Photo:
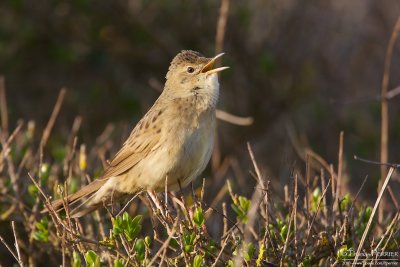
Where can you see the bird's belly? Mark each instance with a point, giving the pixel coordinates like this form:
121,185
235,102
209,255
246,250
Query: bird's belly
180,162
193,157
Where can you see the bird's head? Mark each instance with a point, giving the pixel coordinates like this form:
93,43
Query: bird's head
191,73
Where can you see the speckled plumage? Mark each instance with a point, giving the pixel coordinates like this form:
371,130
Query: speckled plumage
173,141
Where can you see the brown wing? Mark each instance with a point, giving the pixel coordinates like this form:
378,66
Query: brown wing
144,138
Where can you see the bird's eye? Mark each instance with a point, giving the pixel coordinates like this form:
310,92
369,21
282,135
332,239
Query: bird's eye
190,69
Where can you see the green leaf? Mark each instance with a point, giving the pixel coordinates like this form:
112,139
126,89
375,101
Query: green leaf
43,225
198,261
241,207
188,240
126,225
140,249
118,227
249,252
119,263
33,190
244,203
42,233
173,243
284,233
198,217
126,217
316,195
306,261
345,202
76,259
212,247
92,260
345,253
147,241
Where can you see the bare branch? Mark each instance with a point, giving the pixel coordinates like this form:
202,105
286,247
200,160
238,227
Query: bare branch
378,200
16,244
233,119
221,26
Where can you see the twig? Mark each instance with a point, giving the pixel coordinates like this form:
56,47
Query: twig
287,237
10,139
358,192
340,164
51,122
393,165
255,165
221,26
235,225
16,244
129,202
313,219
307,196
8,248
392,93
296,197
233,119
225,221
221,251
389,175
166,243
252,214
3,107
392,195
385,109
5,153
389,228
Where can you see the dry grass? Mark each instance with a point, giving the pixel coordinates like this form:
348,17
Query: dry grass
315,223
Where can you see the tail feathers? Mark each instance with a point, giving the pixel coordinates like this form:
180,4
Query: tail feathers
84,195
86,206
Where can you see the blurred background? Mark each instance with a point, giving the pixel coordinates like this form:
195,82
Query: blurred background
304,70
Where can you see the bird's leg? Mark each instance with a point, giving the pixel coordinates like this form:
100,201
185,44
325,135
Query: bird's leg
156,202
165,195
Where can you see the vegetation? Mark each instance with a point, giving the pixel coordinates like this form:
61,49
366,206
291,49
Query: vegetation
314,224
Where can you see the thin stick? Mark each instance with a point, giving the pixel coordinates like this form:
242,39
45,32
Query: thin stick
221,26
3,107
385,109
389,228
396,203
389,175
16,244
287,238
166,243
253,160
307,183
340,164
358,192
220,252
392,93
296,197
313,219
233,119
225,221
393,165
129,202
8,248
51,122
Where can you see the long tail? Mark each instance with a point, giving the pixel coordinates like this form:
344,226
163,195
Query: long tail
81,202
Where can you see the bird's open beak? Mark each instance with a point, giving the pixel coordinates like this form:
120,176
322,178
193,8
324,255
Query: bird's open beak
209,67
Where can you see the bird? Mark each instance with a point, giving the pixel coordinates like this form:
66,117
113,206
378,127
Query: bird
169,147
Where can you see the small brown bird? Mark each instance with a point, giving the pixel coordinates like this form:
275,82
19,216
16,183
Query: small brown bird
171,144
